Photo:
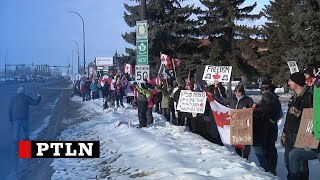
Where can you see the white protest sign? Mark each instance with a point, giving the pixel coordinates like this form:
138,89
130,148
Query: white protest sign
141,73
293,66
220,73
193,102
112,88
130,88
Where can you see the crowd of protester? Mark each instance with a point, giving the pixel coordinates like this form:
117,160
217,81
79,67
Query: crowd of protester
163,97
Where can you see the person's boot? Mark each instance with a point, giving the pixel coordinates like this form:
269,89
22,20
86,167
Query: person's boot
273,161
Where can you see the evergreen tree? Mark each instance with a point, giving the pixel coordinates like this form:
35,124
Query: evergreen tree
171,30
279,36
306,34
219,23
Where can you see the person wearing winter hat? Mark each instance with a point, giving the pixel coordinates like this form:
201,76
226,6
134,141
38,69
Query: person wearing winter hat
265,126
19,114
302,98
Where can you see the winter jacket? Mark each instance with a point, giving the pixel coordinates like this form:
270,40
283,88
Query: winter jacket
295,108
176,94
264,116
19,106
166,100
94,87
143,94
234,103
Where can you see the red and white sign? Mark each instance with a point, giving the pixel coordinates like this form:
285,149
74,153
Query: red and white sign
104,61
220,73
193,102
128,68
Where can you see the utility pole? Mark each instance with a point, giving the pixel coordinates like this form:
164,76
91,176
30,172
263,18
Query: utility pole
72,64
78,56
5,65
143,10
84,40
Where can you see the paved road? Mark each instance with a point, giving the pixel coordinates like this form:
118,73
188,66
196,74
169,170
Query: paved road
50,92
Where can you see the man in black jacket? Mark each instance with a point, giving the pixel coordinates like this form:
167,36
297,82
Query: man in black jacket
302,98
270,112
19,114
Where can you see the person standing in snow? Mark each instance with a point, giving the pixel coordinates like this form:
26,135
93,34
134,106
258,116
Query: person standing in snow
303,98
239,101
94,89
19,114
266,115
142,103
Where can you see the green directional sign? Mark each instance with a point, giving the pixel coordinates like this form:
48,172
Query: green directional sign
142,51
316,112
142,42
142,47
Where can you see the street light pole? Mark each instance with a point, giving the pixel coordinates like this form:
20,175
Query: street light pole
78,55
84,40
143,10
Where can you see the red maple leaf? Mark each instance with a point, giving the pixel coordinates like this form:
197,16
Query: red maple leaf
201,105
216,76
221,119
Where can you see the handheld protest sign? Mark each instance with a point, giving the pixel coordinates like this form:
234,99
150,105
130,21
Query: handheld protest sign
293,66
220,73
305,138
241,126
192,102
316,112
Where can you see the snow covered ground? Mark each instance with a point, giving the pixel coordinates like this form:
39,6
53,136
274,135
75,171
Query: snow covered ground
161,151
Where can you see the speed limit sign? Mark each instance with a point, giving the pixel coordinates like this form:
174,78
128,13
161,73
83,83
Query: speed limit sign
141,73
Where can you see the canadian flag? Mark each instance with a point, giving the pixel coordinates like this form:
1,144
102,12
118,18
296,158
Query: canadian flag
128,68
176,62
221,115
165,59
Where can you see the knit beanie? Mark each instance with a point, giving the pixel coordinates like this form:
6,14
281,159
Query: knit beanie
298,78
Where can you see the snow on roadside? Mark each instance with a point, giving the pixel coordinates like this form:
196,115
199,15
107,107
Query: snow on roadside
161,151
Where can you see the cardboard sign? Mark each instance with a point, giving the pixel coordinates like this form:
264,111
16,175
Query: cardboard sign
305,138
220,73
293,66
241,126
193,102
316,112
199,75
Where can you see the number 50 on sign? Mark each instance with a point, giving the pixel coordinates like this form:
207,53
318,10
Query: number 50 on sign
141,73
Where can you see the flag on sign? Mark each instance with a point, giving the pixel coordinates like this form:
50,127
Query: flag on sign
128,68
176,62
165,59
221,115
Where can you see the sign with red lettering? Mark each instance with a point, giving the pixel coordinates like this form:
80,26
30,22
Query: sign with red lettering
241,126
192,102
305,138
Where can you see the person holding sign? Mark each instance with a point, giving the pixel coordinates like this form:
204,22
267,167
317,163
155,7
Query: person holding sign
302,98
239,101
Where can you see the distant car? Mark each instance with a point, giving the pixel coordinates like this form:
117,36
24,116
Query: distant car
39,79
22,78
252,85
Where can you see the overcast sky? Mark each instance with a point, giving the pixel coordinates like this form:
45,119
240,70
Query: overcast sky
42,31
